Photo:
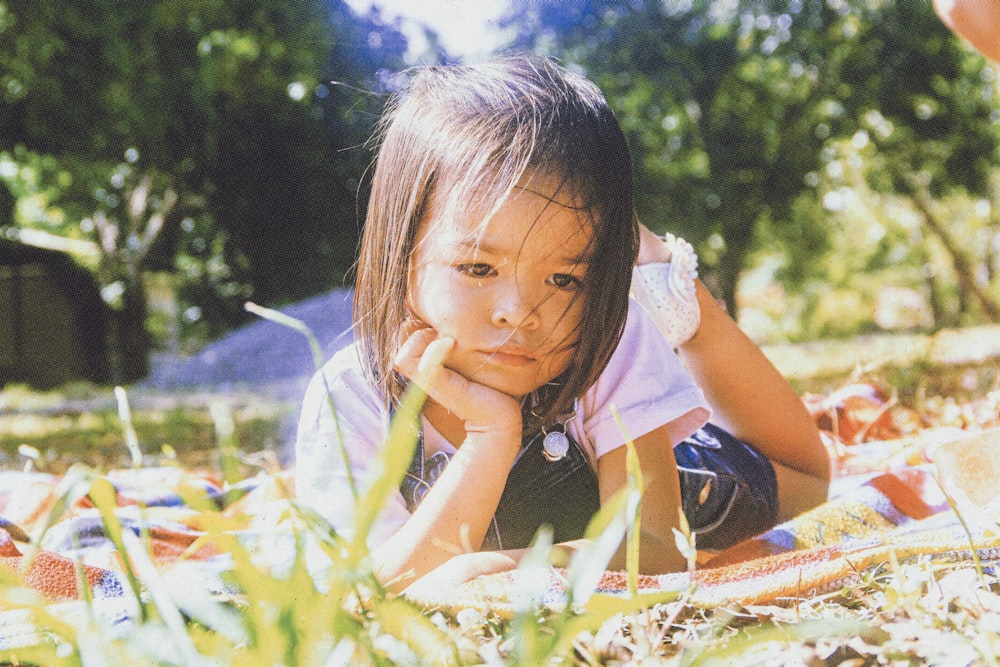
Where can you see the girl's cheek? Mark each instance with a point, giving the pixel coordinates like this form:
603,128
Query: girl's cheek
445,328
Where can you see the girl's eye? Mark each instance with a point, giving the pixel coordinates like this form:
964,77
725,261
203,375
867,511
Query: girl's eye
565,281
476,270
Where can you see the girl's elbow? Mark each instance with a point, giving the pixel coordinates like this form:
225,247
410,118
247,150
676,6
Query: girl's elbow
397,562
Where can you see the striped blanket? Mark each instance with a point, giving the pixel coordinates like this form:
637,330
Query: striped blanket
63,538
50,524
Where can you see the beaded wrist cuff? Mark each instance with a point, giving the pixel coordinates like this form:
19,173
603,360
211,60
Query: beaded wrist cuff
667,291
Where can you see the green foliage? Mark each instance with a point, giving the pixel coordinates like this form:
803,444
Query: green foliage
253,117
750,123
753,122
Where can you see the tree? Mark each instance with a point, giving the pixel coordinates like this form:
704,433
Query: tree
203,137
915,118
734,111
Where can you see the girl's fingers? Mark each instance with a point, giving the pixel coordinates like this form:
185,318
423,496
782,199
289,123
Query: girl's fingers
410,326
432,360
442,384
421,360
412,349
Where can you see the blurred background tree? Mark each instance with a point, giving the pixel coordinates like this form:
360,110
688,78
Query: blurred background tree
834,161
207,139
815,140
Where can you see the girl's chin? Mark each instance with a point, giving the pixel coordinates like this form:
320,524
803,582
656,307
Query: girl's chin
505,383
511,379
515,389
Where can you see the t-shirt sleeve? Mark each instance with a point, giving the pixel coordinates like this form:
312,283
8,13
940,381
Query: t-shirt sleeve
646,384
355,424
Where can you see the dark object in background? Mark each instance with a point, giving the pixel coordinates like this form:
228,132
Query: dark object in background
53,323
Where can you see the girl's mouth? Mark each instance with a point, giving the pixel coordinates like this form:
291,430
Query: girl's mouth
510,355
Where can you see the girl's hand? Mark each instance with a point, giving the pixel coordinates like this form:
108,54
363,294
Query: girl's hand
422,359
458,570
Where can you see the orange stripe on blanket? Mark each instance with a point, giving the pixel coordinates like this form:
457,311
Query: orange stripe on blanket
25,497
912,490
55,576
169,544
881,504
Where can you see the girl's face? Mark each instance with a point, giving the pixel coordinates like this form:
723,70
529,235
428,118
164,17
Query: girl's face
508,292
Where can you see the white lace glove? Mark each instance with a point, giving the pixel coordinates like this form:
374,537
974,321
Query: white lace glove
666,291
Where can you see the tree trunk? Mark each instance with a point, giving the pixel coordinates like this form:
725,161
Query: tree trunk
121,264
967,282
130,341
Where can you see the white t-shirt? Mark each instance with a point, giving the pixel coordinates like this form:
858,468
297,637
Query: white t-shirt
644,382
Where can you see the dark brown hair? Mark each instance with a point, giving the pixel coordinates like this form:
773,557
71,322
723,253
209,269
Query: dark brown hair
463,137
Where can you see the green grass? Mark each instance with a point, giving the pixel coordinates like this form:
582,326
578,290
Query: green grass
957,363
910,613
57,432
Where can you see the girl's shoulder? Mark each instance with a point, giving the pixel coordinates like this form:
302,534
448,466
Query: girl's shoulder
640,341
345,360
645,383
343,381
343,367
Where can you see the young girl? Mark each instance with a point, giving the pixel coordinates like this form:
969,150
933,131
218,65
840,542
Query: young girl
501,235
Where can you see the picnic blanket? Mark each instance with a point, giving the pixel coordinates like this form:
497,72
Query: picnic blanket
177,514
46,529
73,541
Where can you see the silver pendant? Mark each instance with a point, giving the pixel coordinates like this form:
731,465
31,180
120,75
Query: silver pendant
555,446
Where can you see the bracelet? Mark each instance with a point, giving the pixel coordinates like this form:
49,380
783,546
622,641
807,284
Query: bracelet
666,290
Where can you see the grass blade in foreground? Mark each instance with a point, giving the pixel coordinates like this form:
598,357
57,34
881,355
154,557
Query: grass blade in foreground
317,354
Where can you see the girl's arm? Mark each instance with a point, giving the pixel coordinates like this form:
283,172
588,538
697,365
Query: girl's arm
455,514
661,500
661,503
755,403
751,399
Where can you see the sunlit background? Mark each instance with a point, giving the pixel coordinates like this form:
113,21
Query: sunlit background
836,163
467,29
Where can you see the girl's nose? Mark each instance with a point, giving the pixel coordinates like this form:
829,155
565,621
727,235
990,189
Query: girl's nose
516,309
